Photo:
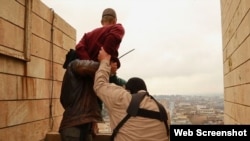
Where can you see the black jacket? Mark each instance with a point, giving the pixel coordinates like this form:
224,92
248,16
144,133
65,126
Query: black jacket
77,95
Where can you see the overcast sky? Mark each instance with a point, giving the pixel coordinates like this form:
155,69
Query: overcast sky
177,43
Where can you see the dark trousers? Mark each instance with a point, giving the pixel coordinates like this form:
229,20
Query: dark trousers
77,133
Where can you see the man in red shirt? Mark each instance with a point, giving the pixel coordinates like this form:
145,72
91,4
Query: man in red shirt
109,36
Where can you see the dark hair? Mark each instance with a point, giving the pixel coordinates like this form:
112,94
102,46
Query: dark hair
135,84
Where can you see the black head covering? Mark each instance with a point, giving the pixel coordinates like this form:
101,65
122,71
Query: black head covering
135,84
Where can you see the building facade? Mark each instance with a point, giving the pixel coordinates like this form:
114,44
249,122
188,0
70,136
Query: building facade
235,17
33,44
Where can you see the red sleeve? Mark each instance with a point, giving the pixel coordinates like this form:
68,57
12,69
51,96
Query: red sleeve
81,49
113,40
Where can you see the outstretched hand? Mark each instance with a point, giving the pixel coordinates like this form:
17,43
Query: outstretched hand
103,55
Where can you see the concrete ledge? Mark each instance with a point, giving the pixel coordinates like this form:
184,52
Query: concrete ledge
55,136
102,137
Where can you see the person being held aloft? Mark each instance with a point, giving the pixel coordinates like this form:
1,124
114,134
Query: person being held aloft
109,36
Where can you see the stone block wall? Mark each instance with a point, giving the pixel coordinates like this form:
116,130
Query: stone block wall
235,17
33,44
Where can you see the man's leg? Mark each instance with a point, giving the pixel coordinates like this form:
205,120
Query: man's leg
70,134
85,134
